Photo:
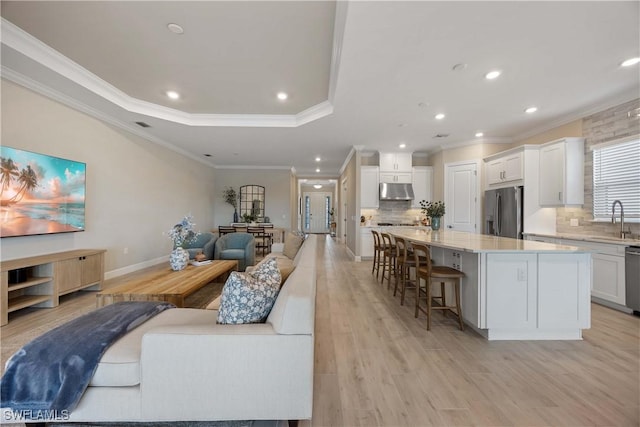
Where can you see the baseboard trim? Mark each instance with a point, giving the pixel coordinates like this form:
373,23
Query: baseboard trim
135,267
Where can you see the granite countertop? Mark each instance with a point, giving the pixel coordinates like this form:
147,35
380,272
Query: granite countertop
589,238
471,242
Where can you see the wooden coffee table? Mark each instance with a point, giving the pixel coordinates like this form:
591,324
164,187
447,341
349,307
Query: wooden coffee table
167,285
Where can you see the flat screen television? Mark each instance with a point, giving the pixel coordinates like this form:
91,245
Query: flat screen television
40,194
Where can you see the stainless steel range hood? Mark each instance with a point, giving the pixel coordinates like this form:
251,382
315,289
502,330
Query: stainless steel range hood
392,191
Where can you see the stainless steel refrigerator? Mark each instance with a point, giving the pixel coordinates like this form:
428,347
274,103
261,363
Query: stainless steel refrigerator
503,212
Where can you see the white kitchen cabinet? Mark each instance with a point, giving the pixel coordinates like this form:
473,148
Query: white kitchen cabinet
505,169
398,178
422,184
512,285
608,278
366,242
395,162
607,265
562,172
369,197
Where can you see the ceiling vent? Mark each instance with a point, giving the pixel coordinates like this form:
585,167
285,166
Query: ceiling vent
143,124
441,135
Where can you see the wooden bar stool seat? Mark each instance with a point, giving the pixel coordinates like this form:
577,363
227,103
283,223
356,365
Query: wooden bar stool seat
438,273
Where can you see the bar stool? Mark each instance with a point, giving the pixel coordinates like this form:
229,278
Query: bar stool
405,261
443,274
388,258
377,253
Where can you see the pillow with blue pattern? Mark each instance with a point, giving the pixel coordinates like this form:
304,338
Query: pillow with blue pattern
249,297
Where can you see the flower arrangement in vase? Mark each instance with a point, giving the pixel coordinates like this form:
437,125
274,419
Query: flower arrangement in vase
434,210
181,234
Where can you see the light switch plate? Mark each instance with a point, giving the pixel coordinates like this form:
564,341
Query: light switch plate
573,222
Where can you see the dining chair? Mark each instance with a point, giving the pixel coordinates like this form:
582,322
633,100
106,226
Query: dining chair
225,229
425,270
263,239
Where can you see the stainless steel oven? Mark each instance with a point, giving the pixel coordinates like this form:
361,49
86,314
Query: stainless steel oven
632,278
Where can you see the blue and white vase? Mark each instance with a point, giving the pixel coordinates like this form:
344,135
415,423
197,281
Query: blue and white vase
178,259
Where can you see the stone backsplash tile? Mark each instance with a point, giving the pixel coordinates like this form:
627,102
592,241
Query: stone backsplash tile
601,127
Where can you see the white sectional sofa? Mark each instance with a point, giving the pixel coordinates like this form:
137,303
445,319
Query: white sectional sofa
182,366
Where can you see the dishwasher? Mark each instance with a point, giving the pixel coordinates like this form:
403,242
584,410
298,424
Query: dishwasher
632,278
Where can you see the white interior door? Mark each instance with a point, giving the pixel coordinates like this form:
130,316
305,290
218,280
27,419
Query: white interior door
461,196
316,212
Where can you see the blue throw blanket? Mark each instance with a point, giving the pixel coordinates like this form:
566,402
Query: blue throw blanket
53,371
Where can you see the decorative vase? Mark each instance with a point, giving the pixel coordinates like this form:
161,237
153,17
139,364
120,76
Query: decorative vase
235,216
178,259
435,223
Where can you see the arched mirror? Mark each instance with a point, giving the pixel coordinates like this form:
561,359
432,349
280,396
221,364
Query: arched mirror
252,203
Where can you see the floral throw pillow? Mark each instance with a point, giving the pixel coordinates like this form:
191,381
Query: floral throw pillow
249,297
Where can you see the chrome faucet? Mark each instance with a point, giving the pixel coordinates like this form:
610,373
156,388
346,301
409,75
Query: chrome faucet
623,233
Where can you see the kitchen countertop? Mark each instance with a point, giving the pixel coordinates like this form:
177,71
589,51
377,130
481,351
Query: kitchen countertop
471,242
589,238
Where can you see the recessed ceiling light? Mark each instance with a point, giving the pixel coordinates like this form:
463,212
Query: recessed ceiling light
318,170
479,134
493,74
439,116
282,96
318,159
173,94
175,28
317,186
402,145
631,61
531,110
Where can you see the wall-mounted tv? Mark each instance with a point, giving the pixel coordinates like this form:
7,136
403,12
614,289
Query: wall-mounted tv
40,194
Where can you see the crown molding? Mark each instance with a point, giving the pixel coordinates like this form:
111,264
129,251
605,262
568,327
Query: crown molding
245,167
21,80
29,46
339,24
347,160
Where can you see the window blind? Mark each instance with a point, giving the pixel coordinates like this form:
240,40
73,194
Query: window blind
616,176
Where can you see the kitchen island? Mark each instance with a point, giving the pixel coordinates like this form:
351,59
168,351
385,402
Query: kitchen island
515,289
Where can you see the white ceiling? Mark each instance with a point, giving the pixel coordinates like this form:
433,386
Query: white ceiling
356,72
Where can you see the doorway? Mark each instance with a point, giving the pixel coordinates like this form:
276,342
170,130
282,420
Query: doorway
461,196
315,212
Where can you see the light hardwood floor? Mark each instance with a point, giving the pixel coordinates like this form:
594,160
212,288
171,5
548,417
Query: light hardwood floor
376,365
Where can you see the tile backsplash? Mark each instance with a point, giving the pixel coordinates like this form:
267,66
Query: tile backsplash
397,212
604,126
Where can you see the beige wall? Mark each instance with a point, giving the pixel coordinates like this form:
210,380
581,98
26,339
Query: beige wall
350,227
277,190
136,190
570,129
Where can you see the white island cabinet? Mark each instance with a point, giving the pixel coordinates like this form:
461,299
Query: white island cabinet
515,289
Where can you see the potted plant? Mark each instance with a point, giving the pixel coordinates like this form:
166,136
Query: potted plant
434,210
231,197
333,224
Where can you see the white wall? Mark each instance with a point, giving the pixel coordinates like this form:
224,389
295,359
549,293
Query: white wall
277,190
136,190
